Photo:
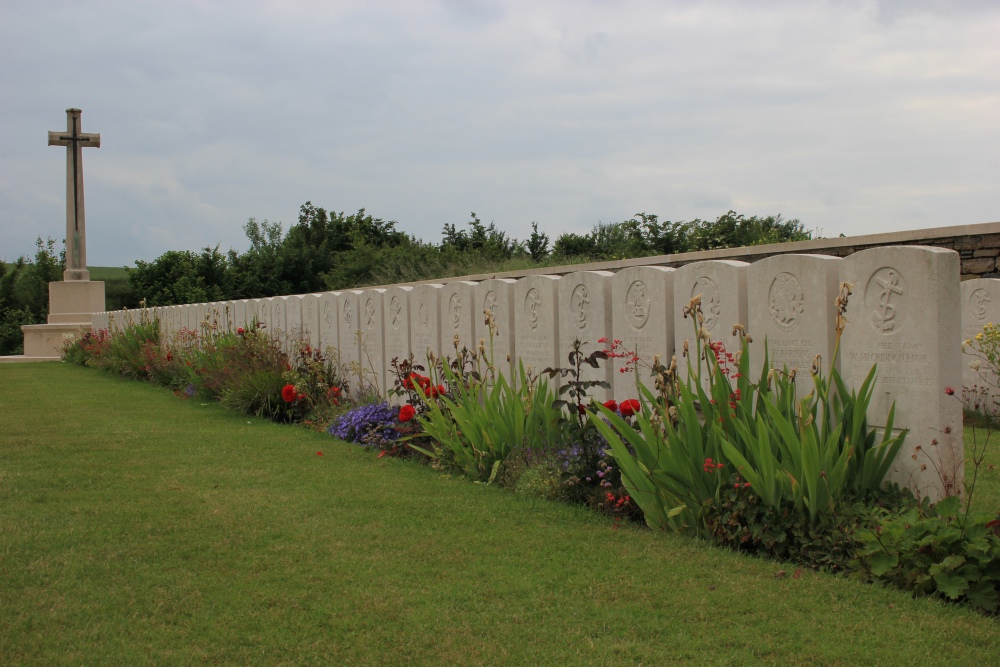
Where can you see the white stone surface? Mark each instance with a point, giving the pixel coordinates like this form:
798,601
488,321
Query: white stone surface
329,323
457,317
585,315
425,322
905,316
790,302
396,322
536,322
497,296
349,325
239,315
980,306
310,320
278,324
723,289
642,300
262,312
293,320
373,336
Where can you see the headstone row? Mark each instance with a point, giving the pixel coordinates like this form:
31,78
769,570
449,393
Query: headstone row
904,315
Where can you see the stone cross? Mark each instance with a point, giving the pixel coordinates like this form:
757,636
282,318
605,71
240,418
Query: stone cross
76,237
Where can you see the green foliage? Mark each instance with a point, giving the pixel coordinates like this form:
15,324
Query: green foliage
483,422
24,293
326,250
939,550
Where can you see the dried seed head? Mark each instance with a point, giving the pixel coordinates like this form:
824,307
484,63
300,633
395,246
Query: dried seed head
817,364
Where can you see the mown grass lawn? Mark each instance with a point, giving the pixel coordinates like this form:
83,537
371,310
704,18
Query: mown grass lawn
138,528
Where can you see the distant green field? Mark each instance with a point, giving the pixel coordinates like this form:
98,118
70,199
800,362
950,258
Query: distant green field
107,273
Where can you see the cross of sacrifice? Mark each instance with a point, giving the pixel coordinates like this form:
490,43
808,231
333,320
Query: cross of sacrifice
76,237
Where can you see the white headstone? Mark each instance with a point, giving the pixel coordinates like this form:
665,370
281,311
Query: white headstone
240,314
310,320
328,308
293,320
585,315
349,326
456,317
791,305
722,285
905,316
536,322
278,324
396,319
497,296
262,313
980,307
642,299
425,322
373,337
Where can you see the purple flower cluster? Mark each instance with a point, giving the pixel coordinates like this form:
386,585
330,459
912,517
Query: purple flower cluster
369,425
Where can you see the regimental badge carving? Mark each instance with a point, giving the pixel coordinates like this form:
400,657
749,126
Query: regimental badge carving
490,302
579,302
885,300
637,304
785,302
425,317
710,307
370,313
532,301
395,312
977,303
455,310
348,313
328,315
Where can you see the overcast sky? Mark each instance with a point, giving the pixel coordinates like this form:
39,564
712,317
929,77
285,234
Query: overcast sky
855,117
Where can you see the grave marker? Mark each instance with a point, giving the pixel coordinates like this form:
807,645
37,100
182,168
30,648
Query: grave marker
373,336
642,300
585,315
329,323
980,306
310,320
791,304
905,316
396,320
536,322
456,317
425,322
497,296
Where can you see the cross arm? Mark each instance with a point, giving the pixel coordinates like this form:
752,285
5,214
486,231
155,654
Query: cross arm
84,139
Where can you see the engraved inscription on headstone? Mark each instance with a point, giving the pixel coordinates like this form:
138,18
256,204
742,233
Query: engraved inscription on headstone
642,299
425,328
329,323
536,322
980,307
585,315
311,329
496,296
791,306
373,338
396,302
906,311
457,317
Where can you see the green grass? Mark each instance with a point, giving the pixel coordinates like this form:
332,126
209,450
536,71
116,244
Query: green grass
107,273
139,528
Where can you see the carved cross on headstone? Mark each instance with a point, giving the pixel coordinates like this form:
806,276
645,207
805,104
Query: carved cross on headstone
76,237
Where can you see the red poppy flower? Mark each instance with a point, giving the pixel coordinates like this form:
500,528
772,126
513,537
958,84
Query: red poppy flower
950,391
629,407
288,393
437,390
611,405
406,413
582,409
240,331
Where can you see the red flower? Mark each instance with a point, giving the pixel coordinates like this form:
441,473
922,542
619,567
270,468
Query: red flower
240,331
406,413
611,405
288,393
581,408
437,390
950,391
629,407
319,453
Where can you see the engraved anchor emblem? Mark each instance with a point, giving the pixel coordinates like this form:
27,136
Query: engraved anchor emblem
886,313
978,301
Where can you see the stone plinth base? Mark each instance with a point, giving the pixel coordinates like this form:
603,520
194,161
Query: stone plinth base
74,301
44,340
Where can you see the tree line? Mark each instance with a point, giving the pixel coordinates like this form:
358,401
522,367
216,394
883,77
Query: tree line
326,250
